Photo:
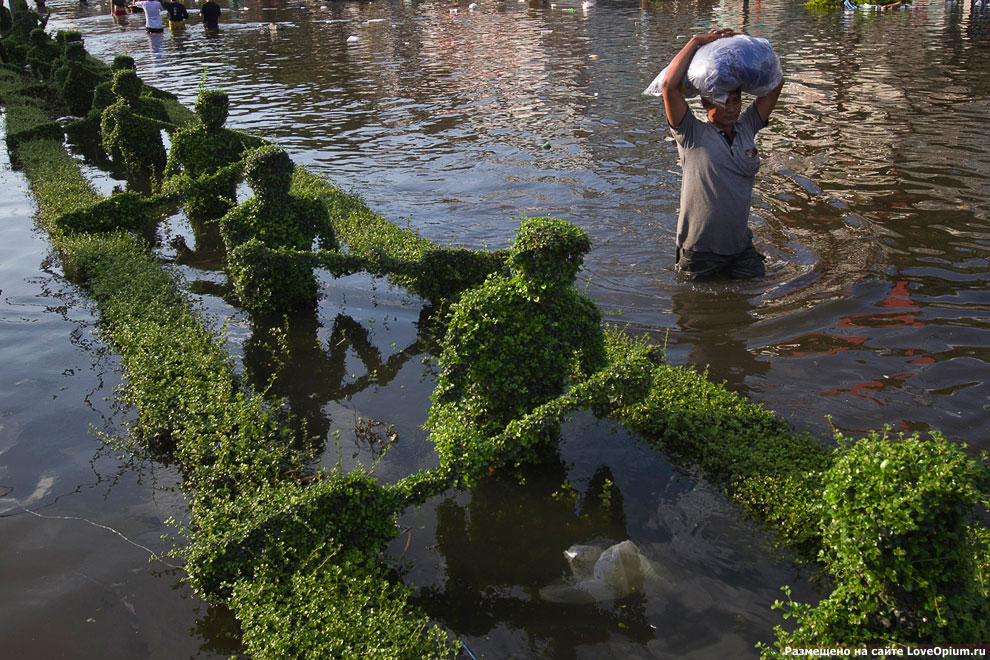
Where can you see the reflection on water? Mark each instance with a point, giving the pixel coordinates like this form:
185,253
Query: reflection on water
871,204
711,322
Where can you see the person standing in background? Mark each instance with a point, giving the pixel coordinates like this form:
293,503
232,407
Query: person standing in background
177,14
210,11
152,15
118,9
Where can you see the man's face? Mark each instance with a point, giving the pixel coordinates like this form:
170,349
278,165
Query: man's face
725,116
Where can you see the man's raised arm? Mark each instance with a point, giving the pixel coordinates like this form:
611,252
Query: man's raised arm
674,103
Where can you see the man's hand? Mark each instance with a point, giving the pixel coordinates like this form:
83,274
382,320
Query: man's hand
713,35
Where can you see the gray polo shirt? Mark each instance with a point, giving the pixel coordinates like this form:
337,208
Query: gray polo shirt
716,183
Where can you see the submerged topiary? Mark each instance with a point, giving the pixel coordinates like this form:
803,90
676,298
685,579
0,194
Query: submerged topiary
104,97
513,342
75,77
901,538
269,237
131,127
204,160
121,62
42,53
547,254
212,107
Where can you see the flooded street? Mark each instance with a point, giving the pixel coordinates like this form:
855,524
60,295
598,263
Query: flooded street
873,204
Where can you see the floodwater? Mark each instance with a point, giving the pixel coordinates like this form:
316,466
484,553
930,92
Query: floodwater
872,204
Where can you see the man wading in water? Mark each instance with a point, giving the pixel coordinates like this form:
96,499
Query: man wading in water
719,162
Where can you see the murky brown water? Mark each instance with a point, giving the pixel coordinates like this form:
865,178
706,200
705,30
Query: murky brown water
872,202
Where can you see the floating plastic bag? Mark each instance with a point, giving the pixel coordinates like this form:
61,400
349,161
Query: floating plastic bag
724,65
600,574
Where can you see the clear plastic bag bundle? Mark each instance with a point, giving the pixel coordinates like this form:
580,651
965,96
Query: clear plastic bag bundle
724,65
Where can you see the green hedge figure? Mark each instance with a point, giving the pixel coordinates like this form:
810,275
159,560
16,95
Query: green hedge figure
103,95
75,77
512,343
903,541
131,127
204,161
270,236
42,53
17,37
66,37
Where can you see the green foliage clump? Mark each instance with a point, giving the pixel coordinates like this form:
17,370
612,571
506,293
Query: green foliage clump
28,121
75,77
334,606
121,62
152,103
269,280
42,52
212,107
443,273
204,159
17,36
58,185
512,343
547,254
131,127
66,37
898,539
125,210
29,108
269,237
281,523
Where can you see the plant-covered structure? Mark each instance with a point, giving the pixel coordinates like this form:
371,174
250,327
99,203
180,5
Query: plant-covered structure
513,342
131,127
269,236
75,77
204,162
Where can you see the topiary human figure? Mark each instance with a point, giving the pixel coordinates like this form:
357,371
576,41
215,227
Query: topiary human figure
513,342
74,78
16,32
904,544
204,160
131,127
42,53
103,95
269,237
